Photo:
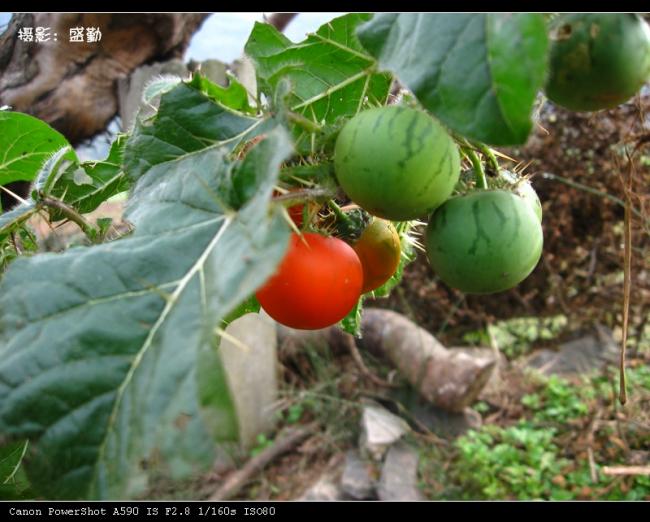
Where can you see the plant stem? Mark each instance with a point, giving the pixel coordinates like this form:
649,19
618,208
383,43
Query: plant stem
481,182
489,154
299,196
339,213
91,232
305,123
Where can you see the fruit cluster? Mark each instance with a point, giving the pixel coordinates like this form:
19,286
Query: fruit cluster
397,163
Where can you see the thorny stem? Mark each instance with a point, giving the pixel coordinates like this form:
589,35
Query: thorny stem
15,244
339,213
300,196
489,154
305,123
481,182
91,232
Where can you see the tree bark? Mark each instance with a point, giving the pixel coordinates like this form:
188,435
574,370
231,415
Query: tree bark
450,379
281,20
72,85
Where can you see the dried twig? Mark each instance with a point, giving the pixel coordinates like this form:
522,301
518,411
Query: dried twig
591,431
627,276
592,466
626,470
238,479
349,343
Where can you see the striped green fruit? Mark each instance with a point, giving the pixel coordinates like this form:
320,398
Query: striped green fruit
523,188
485,241
396,163
506,180
597,60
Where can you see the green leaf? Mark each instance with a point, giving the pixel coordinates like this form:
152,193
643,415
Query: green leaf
331,75
23,243
351,323
99,346
87,185
25,143
10,221
234,96
479,73
318,173
249,305
159,86
187,121
13,483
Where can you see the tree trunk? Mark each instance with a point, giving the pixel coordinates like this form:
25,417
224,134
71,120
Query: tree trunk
72,85
450,379
281,20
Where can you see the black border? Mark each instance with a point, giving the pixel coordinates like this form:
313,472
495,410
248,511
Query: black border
116,6
250,510
174,510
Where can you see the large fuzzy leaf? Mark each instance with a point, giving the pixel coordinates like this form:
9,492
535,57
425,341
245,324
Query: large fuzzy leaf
479,73
99,345
13,483
188,120
87,185
330,74
10,220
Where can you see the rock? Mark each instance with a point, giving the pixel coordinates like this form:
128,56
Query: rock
379,429
582,355
324,489
250,367
542,360
214,70
130,89
246,74
399,475
444,423
356,481
447,424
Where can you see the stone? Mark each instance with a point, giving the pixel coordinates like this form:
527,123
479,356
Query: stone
246,74
357,482
399,475
379,429
214,70
324,489
423,414
130,89
248,352
447,424
583,355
